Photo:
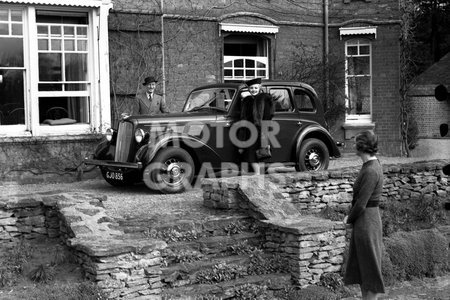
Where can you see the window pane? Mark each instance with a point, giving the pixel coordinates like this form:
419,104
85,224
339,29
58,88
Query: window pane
56,44
359,95
239,63
11,52
3,15
359,65
50,87
76,67
12,97
228,73
42,44
281,99
69,31
16,15
249,63
352,50
303,101
75,87
239,73
82,32
42,30
70,109
50,67
250,73
69,45
261,73
364,50
16,29
82,45
55,30
228,64
260,65
4,29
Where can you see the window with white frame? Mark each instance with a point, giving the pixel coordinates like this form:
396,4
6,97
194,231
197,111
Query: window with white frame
52,76
245,57
358,80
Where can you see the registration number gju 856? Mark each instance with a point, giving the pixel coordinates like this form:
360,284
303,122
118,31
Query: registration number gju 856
114,175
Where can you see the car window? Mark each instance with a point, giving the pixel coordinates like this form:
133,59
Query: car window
281,99
303,101
214,97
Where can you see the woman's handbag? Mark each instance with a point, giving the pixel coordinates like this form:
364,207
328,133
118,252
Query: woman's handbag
263,152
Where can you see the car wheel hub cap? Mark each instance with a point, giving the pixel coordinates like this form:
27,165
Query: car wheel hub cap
174,170
313,159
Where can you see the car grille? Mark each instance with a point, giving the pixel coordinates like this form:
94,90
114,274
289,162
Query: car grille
124,141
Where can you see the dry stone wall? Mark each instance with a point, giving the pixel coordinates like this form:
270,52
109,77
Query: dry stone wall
286,203
124,267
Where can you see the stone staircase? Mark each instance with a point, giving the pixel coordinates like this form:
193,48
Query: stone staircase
212,258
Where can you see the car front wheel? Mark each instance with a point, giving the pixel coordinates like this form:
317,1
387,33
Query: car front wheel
171,171
313,156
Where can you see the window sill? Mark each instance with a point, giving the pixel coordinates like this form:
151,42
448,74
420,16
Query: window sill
50,139
353,128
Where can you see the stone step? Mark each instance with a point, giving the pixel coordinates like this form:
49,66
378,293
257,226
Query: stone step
185,273
211,246
214,225
227,289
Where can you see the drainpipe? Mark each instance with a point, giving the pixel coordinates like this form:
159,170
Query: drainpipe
326,50
163,69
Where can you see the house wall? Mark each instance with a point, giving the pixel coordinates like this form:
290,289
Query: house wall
193,48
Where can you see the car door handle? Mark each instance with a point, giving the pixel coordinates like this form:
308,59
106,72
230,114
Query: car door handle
299,123
227,124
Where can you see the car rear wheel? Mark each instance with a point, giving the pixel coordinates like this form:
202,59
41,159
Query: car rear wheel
171,171
313,156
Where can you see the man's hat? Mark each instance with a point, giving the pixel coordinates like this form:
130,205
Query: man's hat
253,81
148,80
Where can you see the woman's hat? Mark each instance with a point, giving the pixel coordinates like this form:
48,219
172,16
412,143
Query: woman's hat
253,81
148,80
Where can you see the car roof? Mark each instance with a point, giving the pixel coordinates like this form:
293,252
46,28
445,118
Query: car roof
237,85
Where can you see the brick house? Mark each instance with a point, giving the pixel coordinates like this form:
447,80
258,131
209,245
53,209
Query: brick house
191,45
427,111
184,44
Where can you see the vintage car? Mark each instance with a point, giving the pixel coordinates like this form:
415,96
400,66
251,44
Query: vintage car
168,151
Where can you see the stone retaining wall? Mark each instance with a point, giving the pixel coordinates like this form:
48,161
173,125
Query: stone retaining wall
285,202
311,192
122,266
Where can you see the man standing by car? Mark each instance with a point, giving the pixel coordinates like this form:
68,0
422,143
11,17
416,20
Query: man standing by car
148,102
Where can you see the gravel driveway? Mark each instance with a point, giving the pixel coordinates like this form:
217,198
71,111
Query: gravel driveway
139,202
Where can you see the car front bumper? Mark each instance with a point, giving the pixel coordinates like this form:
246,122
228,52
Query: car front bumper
113,164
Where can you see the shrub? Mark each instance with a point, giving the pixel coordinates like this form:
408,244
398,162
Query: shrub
414,214
12,263
43,273
221,272
69,291
422,253
252,292
312,292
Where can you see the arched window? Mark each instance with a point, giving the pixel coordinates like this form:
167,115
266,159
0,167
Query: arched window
245,57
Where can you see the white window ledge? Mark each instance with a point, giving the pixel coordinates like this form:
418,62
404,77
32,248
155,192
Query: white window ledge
250,28
351,129
358,31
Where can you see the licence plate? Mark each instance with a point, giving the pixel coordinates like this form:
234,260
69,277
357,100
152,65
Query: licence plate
114,175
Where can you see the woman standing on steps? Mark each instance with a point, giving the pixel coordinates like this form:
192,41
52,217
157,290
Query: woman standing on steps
364,261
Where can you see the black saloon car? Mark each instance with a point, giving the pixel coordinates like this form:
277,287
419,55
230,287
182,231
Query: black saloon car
168,151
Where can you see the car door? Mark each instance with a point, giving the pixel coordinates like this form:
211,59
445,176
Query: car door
286,124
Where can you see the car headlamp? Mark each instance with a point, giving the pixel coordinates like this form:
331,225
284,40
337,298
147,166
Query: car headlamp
139,135
109,134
